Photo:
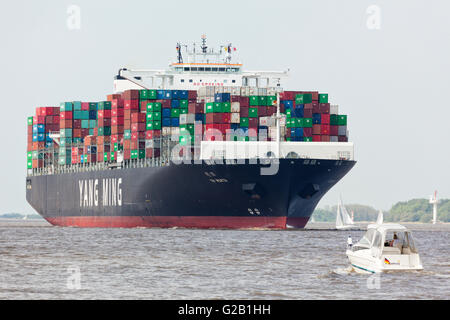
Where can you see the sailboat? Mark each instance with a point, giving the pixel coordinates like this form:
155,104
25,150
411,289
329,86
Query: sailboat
380,217
343,220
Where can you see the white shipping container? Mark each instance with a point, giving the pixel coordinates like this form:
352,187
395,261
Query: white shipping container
333,139
187,118
235,107
334,109
235,117
166,131
175,130
267,121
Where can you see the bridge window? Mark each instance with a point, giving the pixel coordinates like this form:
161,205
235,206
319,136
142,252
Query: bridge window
186,68
190,80
214,69
292,155
221,69
182,80
234,81
193,69
201,69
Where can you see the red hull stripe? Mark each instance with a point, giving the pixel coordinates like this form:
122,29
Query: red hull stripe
173,221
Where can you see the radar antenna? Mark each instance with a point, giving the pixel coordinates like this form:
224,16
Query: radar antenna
204,46
180,57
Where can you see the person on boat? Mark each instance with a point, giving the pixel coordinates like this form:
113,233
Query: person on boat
396,242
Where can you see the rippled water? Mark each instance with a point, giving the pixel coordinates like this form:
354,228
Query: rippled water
36,261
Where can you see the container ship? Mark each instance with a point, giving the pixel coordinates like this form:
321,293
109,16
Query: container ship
203,144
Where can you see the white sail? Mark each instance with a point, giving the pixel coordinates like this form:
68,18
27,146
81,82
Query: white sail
380,217
339,221
346,216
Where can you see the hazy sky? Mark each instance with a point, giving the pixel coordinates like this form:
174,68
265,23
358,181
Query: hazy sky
393,82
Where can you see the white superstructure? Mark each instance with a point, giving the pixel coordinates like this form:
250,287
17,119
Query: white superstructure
198,67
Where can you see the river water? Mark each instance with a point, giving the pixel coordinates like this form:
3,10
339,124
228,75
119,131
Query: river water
38,261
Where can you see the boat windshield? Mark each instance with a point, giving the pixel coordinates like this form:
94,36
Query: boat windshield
366,240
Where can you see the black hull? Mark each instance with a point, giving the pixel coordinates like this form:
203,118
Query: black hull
187,195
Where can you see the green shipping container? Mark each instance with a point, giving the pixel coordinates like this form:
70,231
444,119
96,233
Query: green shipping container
186,140
217,107
154,107
134,154
77,106
65,133
30,155
244,122
299,99
253,112
307,123
323,98
104,131
307,98
153,116
334,119
307,139
262,100
93,106
184,111
104,105
209,107
253,100
81,115
63,142
92,124
174,113
226,107
91,131
147,94
154,125
66,106
342,120
184,104
30,121
271,101
84,124
29,164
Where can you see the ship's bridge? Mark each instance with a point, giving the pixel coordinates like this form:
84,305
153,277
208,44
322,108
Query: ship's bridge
196,68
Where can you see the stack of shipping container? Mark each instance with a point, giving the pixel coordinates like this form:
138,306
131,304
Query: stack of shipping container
135,122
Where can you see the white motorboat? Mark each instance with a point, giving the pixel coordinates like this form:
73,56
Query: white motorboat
343,219
385,247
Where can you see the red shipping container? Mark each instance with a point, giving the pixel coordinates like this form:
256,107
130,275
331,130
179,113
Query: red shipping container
226,117
152,152
126,154
252,132
342,138
287,95
334,130
325,138
38,120
316,138
127,113
65,124
135,136
137,127
116,113
244,101
76,124
324,108
84,132
126,144
151,134
272,110
138,117
262,111
100,156
253,123
117,121
104,122
127,124
196,107
235,98
101,140
166,103
315,107
308,106
117,104
29,130
307,132
214,118
316,129
243,112
76,133
325,118
104,114
66,115
192,94
111,97
307,113
85,106
131,95
117,130
131,104
48,120
38,163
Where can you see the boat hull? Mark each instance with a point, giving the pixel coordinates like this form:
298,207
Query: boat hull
187,195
